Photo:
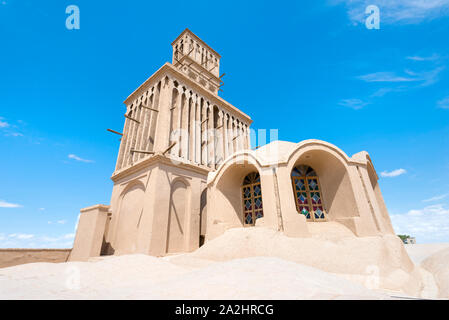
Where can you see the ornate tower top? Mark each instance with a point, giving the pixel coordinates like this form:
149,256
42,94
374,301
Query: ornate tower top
197,60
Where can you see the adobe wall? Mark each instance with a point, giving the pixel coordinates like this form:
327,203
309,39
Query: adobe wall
14,257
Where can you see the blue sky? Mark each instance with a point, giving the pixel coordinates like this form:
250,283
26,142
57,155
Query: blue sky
310,69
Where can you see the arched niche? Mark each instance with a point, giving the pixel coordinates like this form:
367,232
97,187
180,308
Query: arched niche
131,206
177,231
228,198
332,169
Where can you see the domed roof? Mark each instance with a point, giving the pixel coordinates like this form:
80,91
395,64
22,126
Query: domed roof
275,151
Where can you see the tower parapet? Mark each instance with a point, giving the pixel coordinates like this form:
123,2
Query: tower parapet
193,57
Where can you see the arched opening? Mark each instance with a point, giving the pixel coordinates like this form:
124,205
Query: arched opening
334,182
252,199
131,207
308,194
177,217
227,207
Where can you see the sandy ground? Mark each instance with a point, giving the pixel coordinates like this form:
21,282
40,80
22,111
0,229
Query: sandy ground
433,261
154,278
250,263
419,252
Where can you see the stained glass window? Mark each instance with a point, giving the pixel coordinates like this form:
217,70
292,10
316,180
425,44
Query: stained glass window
308,195
252,199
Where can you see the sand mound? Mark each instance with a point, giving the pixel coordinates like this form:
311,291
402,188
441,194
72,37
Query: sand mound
246,263
81,280
144,277
377,262
438,265
263,278
419,252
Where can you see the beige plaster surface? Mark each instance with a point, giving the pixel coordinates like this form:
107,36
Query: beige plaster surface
350,192
89,238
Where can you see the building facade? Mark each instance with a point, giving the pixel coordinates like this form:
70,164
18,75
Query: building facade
185,171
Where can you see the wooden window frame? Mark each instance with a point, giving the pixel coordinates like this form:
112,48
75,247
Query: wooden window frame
308,192
253,199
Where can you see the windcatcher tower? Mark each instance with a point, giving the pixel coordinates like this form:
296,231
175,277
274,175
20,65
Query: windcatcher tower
176,130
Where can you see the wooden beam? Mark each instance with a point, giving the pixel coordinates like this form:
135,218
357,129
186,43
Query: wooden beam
143,106
222,75
190,51
169,147
178,61
113,131
141,151
128,117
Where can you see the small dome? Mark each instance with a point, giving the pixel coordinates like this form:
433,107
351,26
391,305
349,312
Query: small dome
275,151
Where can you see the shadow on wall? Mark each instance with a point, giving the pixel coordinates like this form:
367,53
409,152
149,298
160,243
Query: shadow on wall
106,248
203,216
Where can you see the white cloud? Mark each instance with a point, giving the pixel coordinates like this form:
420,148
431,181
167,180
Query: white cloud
8,129
386,77
75,157
437,198
383,91
3,124
355,104
22,240
394,173
14,134
420,58
429,224
4,204
57,222
396,11
444,103
425,78
21,236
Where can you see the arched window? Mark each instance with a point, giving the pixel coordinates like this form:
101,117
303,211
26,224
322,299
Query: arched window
252,199
308,193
